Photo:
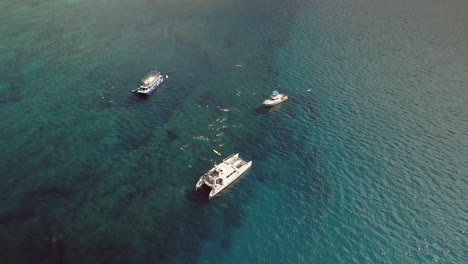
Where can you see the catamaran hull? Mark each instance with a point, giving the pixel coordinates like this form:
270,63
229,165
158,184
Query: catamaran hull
214,192
223,174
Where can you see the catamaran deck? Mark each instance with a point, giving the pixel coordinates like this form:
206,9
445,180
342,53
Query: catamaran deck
230,166
223,174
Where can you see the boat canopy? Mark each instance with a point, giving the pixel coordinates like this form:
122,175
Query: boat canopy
275,92
150,77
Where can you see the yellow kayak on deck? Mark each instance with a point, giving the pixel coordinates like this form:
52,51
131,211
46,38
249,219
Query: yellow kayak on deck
217,152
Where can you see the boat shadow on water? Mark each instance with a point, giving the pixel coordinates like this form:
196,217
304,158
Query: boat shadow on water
198,197
267,109
140,96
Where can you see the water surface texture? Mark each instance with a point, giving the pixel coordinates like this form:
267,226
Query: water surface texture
366,163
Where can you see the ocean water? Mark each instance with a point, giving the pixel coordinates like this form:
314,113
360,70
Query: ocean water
365,163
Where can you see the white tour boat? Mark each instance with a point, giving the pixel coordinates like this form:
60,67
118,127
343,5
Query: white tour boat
149,83
275,98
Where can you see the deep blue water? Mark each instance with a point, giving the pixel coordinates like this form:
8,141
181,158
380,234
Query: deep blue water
366,163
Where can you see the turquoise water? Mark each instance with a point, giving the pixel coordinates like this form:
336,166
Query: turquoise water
366,163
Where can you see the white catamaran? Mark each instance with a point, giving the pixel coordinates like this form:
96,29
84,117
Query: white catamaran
223,174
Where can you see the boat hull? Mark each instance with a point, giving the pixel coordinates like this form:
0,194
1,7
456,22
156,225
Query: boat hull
150,90
275,102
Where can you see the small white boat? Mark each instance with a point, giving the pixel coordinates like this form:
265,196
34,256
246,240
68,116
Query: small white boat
275,98
223,174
